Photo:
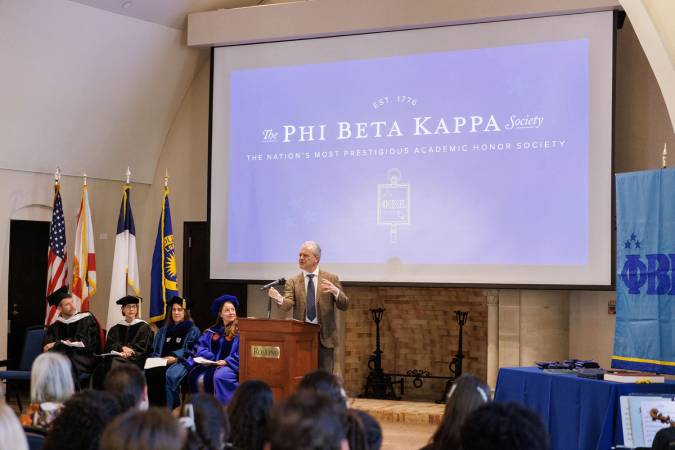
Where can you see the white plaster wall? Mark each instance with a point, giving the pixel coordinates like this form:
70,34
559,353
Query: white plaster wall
185,157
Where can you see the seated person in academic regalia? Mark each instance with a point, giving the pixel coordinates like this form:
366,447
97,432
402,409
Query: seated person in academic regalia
130,339
215,361
173,342
76,335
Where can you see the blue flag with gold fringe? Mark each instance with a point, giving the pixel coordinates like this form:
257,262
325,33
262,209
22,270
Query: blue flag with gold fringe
645,279
163,284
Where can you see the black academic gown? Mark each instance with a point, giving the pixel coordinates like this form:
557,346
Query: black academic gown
136,335
81,327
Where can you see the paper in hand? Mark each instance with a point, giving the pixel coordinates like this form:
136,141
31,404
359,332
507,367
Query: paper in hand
112,353
151,363
200,360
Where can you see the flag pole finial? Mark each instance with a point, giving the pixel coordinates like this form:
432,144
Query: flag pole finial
664,155
84,176
57,176
128,174
166,178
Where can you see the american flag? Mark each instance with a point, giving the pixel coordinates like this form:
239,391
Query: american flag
57,269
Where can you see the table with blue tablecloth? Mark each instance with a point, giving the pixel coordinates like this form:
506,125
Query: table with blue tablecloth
579,413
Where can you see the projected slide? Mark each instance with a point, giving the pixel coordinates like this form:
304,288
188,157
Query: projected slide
474,154
461,157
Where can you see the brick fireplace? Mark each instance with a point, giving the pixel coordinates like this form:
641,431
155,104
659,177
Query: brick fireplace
418,331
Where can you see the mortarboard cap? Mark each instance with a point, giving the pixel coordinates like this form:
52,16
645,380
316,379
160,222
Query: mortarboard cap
55,297
129,300
184,302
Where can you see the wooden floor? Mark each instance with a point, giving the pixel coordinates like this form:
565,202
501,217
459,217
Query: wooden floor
394,411
405,436
405,425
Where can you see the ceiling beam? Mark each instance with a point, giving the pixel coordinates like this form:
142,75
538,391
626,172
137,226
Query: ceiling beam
320,18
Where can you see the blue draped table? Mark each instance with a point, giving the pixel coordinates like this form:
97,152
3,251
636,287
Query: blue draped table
579,413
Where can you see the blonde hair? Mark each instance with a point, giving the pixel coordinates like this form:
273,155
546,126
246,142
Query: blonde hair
11,433
51,379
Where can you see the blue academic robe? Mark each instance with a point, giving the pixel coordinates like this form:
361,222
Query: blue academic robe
182,337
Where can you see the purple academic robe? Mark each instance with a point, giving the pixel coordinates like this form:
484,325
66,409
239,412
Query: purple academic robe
221,381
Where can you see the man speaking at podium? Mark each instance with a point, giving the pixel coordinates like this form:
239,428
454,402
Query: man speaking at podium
314,294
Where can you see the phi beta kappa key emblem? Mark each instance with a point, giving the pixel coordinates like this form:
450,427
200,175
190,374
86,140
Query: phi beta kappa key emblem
393,203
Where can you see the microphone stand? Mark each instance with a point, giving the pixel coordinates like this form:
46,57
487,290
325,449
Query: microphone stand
266,288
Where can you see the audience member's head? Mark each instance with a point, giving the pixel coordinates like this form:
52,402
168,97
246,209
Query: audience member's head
11,432
321,380
82,420
51,379
127,382
361,429
467,394
503,426
154,429
210,428
249,412
664,439
354,430
371,427
306,421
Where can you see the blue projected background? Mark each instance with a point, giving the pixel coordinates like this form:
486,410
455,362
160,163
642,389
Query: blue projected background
489,164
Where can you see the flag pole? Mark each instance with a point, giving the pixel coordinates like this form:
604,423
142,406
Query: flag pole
126,275
84,182
166,178
57,177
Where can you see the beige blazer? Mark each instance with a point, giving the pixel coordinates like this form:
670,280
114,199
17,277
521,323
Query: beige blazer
295,296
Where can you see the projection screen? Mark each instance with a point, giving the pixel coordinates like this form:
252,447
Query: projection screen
476,154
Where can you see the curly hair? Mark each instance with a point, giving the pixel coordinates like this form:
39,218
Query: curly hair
249,412
81,421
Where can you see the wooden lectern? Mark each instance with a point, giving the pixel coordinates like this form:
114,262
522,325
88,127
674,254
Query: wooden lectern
278,352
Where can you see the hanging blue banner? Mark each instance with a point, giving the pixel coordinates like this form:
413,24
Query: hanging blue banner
645,281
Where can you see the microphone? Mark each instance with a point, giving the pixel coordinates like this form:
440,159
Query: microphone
279,282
